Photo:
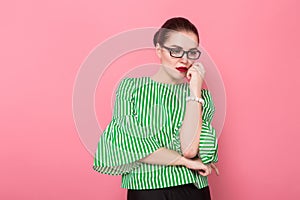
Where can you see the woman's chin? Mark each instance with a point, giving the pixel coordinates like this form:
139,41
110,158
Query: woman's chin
183,79
182,75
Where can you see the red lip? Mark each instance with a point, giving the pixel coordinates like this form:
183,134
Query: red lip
181,69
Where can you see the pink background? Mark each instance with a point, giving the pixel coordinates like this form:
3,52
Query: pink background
255,45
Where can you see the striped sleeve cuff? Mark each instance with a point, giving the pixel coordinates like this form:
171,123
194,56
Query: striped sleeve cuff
208,146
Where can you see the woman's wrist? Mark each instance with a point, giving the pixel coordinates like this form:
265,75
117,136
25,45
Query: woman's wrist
183,161
197,93
187,161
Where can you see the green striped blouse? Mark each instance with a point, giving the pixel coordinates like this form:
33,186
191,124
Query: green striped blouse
147,116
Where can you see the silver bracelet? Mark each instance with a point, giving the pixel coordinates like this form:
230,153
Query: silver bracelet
200,100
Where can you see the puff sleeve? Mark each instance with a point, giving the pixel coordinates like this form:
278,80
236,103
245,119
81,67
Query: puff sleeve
124,141
208,145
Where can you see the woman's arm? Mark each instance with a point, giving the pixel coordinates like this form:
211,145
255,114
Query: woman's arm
191,128
164,156
192,124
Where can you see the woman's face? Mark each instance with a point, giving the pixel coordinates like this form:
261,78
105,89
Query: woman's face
184,40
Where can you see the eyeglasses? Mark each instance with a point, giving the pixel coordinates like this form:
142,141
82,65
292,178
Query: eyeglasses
178,52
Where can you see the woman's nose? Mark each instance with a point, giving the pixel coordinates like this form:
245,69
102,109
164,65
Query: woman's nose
184,58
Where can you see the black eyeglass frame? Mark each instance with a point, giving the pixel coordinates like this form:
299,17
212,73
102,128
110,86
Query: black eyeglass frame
184,52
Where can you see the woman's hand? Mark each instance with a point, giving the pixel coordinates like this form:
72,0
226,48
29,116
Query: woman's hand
197,164
195,75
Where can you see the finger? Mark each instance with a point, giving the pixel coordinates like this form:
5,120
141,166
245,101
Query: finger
195,71
199,65
215,168
203,172
200,68
201,72
209,169
189,74
208,172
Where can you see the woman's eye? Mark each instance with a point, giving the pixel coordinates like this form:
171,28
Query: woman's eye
176,50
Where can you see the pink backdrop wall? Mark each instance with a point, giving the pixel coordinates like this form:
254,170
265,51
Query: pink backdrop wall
255,45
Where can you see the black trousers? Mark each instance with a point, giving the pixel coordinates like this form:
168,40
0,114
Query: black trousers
180,192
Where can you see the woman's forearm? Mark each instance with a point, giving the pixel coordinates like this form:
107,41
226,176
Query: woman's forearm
164,156
191,128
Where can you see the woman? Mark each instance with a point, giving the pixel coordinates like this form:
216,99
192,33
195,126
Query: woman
153,139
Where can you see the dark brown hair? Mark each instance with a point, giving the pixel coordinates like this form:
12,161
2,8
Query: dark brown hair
174,24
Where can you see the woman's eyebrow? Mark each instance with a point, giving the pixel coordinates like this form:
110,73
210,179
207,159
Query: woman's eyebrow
182,48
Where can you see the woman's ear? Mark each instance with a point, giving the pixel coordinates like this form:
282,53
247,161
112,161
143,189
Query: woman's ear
158,50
